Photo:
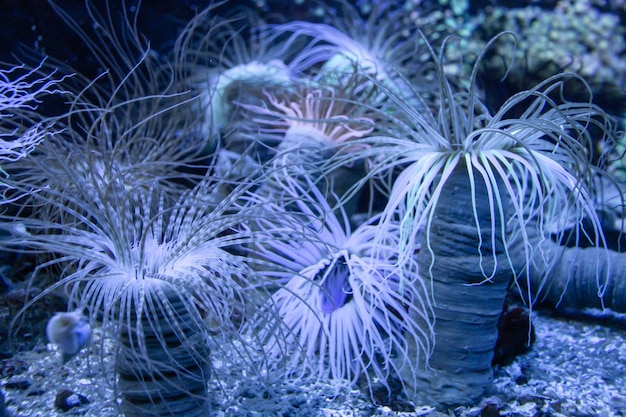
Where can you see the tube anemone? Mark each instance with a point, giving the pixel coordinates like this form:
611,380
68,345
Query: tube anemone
325,115
129,125
315,130
142,243
159,280
233,60
224,88
341,310
536,165
472,186
382,45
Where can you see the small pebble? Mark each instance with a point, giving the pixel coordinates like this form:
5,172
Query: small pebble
490,410
66,400
17,384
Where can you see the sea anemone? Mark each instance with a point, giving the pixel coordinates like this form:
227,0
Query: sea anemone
382,45
341,310
140,239
324,115
226,60
159,280
472,185
539,160
129,125
178,251
314,131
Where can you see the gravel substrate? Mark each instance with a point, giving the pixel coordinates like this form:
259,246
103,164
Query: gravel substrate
576,368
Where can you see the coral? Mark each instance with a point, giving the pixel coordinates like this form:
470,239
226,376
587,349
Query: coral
574,36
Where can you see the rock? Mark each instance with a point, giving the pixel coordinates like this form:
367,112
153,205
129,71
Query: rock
18,384
515,335
3,410
66,400
490,409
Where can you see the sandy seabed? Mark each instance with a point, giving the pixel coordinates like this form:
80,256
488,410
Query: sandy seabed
576,368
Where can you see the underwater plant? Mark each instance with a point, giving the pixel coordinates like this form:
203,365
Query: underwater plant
340,309
476,195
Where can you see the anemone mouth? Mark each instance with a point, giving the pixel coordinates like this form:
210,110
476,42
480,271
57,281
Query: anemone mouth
342,310
256,73
344,62
343,318
325,114
335,287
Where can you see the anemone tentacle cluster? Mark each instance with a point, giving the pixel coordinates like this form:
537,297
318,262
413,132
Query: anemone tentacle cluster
342,310
21,128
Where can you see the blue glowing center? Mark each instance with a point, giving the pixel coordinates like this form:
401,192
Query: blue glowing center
336,290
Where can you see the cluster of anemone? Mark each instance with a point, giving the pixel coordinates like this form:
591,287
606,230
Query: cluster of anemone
286,184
